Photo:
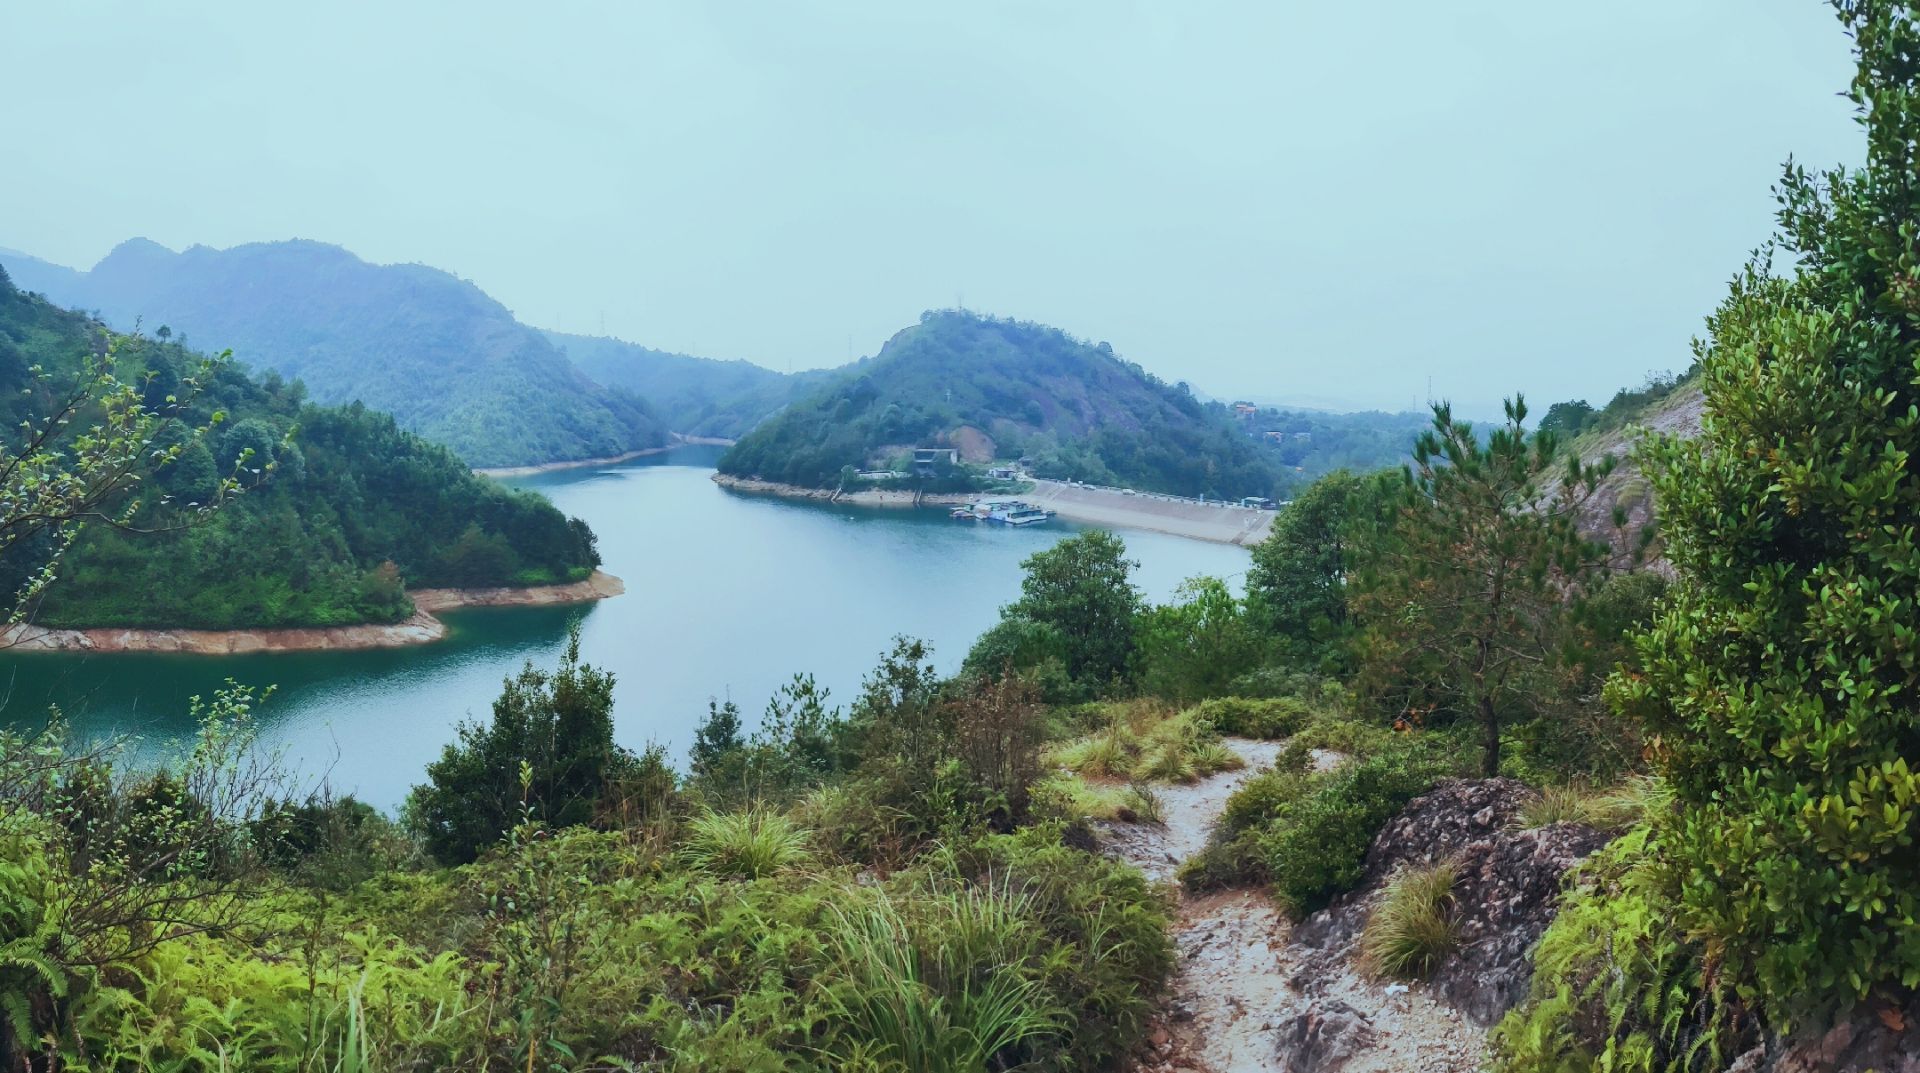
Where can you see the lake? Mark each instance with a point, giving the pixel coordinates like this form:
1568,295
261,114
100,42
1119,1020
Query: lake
728,595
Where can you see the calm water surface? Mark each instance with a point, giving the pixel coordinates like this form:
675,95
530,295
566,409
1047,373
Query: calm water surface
728,595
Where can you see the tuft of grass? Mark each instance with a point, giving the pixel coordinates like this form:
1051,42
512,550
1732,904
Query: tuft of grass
1413,927
1612,810
956,990
1633,802
1557,804
749,844
1145,740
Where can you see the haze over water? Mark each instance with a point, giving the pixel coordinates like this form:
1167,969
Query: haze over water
727,595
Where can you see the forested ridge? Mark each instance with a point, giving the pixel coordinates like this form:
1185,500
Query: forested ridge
1003,389
339,509
1522,804
447,361
694,396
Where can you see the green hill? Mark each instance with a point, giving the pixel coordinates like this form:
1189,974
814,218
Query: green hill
354,510
1001,389
694,396
435,351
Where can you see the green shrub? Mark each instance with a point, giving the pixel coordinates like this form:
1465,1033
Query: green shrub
1777,683
1233,856
1272,718
1616,986
1317,848
1413,927
749,844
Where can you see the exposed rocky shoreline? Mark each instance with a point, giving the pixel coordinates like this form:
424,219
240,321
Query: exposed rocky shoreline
418,629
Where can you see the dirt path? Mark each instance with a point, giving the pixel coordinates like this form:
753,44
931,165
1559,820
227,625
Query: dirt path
1239,989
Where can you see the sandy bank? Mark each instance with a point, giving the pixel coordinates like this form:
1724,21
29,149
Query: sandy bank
578,463
419,629
1221,523
1218,523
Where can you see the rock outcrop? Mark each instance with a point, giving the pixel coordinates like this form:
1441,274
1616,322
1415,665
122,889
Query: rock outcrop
1507,888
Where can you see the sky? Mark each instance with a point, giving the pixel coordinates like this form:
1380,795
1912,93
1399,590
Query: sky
1274,199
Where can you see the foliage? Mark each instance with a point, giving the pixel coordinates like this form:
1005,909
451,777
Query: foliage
1778,679
1077,411
449,363
1195,646
1305,834
547,751
1311,444
1297,585
1471,592
1145,741
1268,718
341,509
1082,590
1413,927
1617,988
748,844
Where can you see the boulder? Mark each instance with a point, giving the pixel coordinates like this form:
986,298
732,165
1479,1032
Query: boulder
1322,1038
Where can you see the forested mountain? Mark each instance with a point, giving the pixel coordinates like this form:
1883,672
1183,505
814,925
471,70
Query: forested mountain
694,396
1002,389
1312,443
435,351
352,510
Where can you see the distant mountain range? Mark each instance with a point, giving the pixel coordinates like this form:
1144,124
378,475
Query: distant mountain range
694,396
446,360
1002,389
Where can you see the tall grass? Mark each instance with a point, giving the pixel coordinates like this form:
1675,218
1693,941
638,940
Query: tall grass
955,989
749,844
1146,740
1413,927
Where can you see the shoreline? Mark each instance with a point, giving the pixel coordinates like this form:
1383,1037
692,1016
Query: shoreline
679,441
578,463
422,627
1215,524
872,497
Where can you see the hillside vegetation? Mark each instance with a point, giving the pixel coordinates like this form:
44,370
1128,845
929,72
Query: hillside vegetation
447,361
694,396
1002,389
341,508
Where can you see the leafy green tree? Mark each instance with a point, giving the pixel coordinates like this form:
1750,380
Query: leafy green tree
1194,647
1297,585
717,741
1475,582
1082,589
557,726
1567,418
1032,649
77,458
1780,678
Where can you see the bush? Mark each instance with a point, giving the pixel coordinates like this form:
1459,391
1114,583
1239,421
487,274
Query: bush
1616,986
1413,927
1268,719
1307,834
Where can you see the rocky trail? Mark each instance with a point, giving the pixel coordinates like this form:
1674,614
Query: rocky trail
1247,996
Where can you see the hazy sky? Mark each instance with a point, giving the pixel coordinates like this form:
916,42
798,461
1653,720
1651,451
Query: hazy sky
1276,198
